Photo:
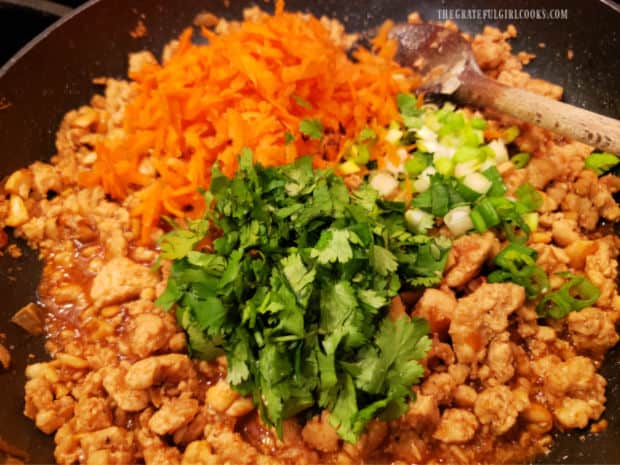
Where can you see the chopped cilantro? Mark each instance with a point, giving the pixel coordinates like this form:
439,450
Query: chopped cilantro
295,292
288,137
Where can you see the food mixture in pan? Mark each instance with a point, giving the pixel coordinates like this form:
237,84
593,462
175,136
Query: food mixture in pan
263,251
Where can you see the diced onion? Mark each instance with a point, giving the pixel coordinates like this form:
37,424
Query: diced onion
477,182
426,134
418,220
499,148
424,180
458,221
486,165
463,169
384,183
393,136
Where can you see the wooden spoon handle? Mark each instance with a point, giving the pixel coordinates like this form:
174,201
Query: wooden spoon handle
587,127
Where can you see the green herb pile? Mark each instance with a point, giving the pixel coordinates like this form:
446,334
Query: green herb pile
295,292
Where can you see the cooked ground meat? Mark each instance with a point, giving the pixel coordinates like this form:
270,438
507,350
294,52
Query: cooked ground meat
121,388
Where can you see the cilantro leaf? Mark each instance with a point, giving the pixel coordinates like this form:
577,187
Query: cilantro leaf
177,243
333,246
382,260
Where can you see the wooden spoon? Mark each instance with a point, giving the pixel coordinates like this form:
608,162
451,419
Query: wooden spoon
446,62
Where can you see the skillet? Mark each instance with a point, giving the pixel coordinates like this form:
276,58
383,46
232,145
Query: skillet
53,74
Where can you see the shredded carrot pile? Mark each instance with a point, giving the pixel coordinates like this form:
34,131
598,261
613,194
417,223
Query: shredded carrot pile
247,88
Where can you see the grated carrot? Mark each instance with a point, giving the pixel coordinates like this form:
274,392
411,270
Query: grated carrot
246,88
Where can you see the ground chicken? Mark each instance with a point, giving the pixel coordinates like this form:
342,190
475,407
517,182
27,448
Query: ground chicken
456,426
602,269
173,415
500,360
466,257
423,413
91,414
541,171
320,434
120,279
440,386
436,306
148,334
481,315
130,400
153,370
496,407
592,330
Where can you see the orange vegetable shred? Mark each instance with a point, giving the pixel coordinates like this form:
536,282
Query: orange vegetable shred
247,88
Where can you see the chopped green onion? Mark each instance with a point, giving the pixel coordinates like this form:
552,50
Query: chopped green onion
463,169
499,276
601,162
465,153
478,122
534,279
580,292
419,221
477,182
478,221
528,198
515,255
472,137
516,230
458,221
498,187
417,163
452,122
487,152
488,213
444,166
520,160
424,181
467,194
504,207
577,294
510,134
499,150
518,264
553,305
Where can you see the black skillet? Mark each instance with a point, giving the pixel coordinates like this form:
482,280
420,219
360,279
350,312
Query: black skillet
53,74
